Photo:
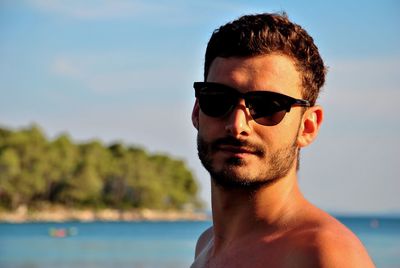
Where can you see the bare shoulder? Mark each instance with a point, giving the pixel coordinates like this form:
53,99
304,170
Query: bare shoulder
326,242
203,241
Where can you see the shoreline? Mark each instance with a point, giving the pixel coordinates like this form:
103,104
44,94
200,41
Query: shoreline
23,215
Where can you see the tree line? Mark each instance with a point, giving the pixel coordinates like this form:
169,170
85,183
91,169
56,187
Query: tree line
36,171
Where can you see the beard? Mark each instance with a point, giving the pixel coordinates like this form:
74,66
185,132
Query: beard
273,166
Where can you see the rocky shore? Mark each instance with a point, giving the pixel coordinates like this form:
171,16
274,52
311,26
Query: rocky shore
60,214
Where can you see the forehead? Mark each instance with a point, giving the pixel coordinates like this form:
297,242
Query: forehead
271,72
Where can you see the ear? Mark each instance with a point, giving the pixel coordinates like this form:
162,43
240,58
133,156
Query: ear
195,114
310,125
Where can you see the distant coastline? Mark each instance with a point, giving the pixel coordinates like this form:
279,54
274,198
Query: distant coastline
62,214
42,174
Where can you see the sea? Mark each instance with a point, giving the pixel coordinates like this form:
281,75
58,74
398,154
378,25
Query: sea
150,244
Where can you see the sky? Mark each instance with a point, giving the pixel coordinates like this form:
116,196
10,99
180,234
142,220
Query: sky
123,71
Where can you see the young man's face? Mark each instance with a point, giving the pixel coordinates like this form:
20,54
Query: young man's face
235,149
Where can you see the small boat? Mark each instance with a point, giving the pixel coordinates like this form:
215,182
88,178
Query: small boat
62,232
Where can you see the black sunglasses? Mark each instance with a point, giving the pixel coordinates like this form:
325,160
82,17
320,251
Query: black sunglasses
266,108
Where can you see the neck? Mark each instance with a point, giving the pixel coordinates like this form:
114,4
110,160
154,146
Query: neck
237,212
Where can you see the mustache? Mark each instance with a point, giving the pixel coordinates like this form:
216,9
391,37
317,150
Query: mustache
254,148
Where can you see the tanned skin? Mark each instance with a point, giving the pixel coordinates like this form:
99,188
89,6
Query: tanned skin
273,225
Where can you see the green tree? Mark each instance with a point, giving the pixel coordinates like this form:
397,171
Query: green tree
10,168
35,171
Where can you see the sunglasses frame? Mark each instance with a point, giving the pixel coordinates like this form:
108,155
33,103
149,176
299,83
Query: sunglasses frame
233,92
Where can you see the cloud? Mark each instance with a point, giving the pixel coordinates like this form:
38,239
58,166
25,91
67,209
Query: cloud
173,12
108,73
366,88
99,9
368,74
65,67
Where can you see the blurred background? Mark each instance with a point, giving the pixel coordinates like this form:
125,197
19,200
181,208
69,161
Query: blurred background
122,72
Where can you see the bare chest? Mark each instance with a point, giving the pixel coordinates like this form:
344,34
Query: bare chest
264,255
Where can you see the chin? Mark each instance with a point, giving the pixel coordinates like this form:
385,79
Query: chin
231,182
239,176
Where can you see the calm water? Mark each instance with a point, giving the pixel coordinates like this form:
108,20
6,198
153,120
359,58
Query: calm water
148,244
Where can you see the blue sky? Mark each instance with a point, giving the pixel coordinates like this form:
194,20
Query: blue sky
123,70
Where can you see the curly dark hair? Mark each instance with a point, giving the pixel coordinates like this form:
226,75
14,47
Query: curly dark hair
261,34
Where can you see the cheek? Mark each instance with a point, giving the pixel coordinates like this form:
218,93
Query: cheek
278,136
209,128
289,129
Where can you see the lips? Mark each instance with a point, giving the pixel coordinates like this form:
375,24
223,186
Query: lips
235,149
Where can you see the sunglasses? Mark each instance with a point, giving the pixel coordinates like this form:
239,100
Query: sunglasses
266,108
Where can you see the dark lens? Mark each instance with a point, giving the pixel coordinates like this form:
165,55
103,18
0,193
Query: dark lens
267,109
216,103
271,120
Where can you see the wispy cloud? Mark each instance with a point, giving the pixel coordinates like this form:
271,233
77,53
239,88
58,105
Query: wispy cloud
100,73
363,95
63,66
366,74
99,9
176,12
364,82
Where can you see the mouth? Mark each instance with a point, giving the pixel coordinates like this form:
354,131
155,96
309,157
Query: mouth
235,150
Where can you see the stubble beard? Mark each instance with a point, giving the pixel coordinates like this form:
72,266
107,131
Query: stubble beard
273,165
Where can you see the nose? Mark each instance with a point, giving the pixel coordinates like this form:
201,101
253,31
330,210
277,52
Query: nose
238,121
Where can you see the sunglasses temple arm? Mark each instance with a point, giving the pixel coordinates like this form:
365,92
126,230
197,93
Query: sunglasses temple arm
302,103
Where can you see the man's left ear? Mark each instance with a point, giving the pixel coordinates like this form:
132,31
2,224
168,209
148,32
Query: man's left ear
310,124
195,114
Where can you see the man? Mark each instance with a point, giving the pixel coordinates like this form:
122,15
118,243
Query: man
253,113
